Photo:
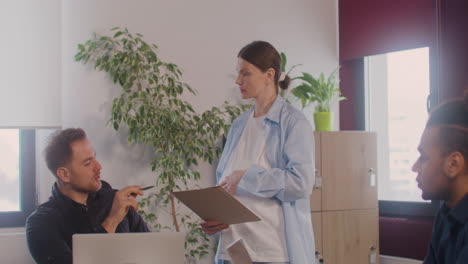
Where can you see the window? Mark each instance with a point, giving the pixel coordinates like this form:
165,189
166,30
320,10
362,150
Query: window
17,174
9,171
397,88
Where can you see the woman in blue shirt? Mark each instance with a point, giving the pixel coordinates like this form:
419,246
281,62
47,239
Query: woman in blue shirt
268,164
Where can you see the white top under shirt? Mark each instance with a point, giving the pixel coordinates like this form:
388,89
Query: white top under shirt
264,240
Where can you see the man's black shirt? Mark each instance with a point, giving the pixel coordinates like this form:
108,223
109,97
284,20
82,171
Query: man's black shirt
50,228
449,242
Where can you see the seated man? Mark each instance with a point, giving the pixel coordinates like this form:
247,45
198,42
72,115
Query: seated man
80,201
442,170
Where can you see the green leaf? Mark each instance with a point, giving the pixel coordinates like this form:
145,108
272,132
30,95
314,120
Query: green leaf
117,34
283,62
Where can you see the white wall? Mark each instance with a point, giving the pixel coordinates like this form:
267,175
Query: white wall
203,38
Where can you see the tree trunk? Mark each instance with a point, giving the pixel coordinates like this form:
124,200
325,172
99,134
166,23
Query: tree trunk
173,212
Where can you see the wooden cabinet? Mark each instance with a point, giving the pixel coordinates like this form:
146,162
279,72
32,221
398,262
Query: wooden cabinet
316,197
344,202
317,220
350,236
348,170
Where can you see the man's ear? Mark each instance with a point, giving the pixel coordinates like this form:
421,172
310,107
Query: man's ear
454,164
63,174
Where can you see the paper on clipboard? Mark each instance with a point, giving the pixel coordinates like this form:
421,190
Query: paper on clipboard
215,204
238,253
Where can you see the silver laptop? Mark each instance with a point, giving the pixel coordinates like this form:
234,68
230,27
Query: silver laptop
129,248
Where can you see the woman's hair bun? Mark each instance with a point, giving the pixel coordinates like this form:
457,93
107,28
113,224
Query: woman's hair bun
284,84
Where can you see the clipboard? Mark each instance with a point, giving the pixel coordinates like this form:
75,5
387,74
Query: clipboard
215,204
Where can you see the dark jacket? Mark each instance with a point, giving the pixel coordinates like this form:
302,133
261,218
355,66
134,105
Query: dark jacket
449,242
49,229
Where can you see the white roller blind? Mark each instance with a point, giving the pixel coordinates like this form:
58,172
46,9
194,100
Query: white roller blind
30,56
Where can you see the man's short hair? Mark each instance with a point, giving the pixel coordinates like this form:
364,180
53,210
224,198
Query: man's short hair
452,118
58,152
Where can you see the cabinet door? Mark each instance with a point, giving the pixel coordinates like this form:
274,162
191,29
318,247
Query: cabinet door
317,227
316,197
348,169
350,237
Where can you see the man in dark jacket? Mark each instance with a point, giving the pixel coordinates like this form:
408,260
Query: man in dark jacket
442,170
80,201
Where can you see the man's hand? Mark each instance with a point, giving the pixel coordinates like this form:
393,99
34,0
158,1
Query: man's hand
213,227
231,181
123,199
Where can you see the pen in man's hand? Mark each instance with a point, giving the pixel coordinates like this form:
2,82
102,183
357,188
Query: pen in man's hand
146,188
142,189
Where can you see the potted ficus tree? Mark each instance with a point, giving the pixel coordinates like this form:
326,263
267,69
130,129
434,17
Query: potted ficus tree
151,108
321,91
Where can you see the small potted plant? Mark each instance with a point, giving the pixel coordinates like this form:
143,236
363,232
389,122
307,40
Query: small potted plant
321,91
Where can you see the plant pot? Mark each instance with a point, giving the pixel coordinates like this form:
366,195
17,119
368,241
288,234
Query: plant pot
323,121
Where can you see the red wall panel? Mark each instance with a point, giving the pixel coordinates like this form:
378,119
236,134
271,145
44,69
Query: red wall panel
453,50
369,27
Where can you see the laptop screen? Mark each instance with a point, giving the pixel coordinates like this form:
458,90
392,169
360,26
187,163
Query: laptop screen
129,248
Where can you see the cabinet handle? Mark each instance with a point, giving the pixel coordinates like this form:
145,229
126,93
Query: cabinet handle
318,180
372,255
372,177
318,258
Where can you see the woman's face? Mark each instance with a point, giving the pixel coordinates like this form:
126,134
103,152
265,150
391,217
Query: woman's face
251,80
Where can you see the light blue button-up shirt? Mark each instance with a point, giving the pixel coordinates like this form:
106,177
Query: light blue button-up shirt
290,151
